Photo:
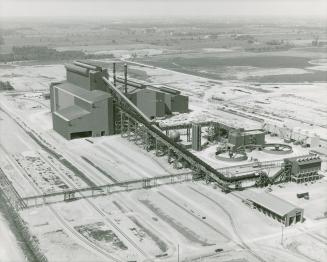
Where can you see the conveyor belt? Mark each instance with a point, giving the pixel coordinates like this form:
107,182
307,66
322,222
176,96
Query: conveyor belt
196,163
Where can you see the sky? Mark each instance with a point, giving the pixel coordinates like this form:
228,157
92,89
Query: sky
162,8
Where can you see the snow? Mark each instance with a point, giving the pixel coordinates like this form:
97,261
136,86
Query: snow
194,215
9,248
32,77
212,99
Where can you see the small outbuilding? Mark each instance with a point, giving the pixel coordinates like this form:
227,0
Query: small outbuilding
150,102
275,207
240,137
156,101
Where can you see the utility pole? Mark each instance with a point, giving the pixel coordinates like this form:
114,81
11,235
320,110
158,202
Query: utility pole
178,252
282,240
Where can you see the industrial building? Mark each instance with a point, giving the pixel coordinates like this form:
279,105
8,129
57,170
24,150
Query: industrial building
150,102
80,107
274,207
240,137
175,102
304,169
305,137
83,106
156,101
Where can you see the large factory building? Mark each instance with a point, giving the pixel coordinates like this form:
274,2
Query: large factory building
80,107
159,101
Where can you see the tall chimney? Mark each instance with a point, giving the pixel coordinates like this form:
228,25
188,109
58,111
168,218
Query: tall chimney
114,72
125,78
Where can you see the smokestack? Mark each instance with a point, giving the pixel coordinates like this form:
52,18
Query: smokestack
114,72
125,78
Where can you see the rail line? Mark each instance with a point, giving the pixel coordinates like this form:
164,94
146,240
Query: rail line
60,219
81,238
196,217
65,224
45,146
243,244
315,236
73,186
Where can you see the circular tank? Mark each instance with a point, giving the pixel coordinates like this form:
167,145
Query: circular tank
175,136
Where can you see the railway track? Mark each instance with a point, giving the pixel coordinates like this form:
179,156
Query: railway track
82,238
71,184
117,228
243,244
99,211
317,237
286,251
63,222
196,217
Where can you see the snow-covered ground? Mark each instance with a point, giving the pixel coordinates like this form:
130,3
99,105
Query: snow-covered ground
32,77
10,251
151,224
303,104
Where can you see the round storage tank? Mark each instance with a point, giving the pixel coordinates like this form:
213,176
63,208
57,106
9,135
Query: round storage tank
175,136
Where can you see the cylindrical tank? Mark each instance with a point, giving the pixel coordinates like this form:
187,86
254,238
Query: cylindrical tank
175,136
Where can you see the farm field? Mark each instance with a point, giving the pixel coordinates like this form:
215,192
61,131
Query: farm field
277,67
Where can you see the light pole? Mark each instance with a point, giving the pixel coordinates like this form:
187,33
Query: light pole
282,235
178,252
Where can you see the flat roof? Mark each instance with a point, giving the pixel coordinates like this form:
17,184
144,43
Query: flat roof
253,132
271,202
71,112
86,95
304,160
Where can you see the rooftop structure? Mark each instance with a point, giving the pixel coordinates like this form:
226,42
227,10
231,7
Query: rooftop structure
239,138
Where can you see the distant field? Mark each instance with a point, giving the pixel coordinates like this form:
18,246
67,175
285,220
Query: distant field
315,76
230,66
209,61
